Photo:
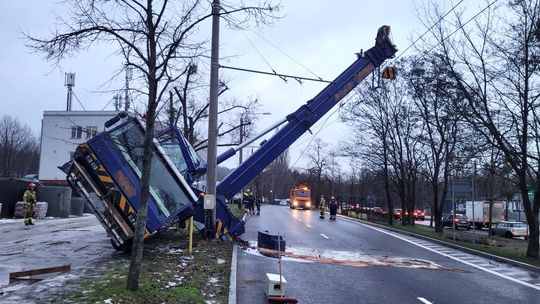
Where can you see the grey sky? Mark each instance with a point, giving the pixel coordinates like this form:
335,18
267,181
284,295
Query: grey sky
322,35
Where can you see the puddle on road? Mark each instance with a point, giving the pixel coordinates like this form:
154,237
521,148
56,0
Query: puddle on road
345,258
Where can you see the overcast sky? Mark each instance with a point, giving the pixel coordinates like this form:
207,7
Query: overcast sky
322,35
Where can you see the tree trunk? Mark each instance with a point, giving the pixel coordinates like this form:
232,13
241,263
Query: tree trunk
142,210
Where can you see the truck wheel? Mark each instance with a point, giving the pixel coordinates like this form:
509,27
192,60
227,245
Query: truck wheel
125,247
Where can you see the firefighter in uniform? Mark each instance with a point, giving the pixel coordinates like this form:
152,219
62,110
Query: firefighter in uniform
29,199
249,201
333,206
322,205
258,201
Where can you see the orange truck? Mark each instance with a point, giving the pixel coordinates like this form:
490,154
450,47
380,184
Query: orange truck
300,196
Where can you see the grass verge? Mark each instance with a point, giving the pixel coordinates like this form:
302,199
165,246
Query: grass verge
169,274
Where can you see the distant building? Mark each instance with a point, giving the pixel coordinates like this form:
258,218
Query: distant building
61,132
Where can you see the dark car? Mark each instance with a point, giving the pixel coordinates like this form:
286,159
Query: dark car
460,221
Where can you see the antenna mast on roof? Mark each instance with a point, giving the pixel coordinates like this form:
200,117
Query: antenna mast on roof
69,82
129,75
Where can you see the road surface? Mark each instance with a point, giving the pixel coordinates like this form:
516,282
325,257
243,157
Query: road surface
364,264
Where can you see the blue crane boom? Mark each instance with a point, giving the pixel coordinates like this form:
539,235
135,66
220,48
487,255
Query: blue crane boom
107,169
308,114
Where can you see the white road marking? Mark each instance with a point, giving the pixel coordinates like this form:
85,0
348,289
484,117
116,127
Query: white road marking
308,225
424,300
451,257
324,236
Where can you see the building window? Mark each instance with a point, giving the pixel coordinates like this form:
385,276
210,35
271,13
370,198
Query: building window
91,131
76,132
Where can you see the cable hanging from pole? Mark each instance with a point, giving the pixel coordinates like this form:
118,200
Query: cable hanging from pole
284,77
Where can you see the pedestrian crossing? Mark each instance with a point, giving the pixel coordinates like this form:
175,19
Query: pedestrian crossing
504,269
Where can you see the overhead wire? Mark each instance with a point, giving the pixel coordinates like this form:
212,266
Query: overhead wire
257,50
438,21
281,51
427,31
78,100
284,53
444,38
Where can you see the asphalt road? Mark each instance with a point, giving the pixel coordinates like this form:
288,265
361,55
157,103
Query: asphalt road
361,264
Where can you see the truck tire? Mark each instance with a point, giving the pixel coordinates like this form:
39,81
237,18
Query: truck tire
126,247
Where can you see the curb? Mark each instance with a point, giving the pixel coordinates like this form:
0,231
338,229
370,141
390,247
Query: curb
232,284
451,245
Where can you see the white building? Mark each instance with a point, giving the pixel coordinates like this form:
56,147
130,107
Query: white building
61,132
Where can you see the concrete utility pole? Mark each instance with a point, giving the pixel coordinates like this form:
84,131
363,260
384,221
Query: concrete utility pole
473,203
210,197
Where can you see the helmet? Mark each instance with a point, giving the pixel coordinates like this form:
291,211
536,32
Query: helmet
31,185
332,197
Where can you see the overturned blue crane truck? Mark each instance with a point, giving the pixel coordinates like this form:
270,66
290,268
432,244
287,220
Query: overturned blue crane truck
106,170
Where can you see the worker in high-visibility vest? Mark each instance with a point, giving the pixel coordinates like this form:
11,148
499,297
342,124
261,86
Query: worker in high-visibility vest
29,199
322,205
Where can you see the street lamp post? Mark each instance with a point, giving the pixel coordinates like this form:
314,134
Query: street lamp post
240,154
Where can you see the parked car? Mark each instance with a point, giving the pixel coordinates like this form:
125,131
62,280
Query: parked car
397,214
377,210
511,229
460,221
283,203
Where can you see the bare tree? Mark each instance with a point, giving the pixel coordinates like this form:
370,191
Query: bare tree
370,123
319,164
437,105
19,148
188,106
403,138
495,67
155,38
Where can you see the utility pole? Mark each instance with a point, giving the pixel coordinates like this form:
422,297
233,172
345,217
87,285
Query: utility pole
453,211
473,203
241,138
117,102
240,152
210,197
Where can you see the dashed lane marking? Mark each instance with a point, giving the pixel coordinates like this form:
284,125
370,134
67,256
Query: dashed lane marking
424,300
324,236
308,225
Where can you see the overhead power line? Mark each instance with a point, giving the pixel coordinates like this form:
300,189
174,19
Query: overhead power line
427,31
324,126
282,76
